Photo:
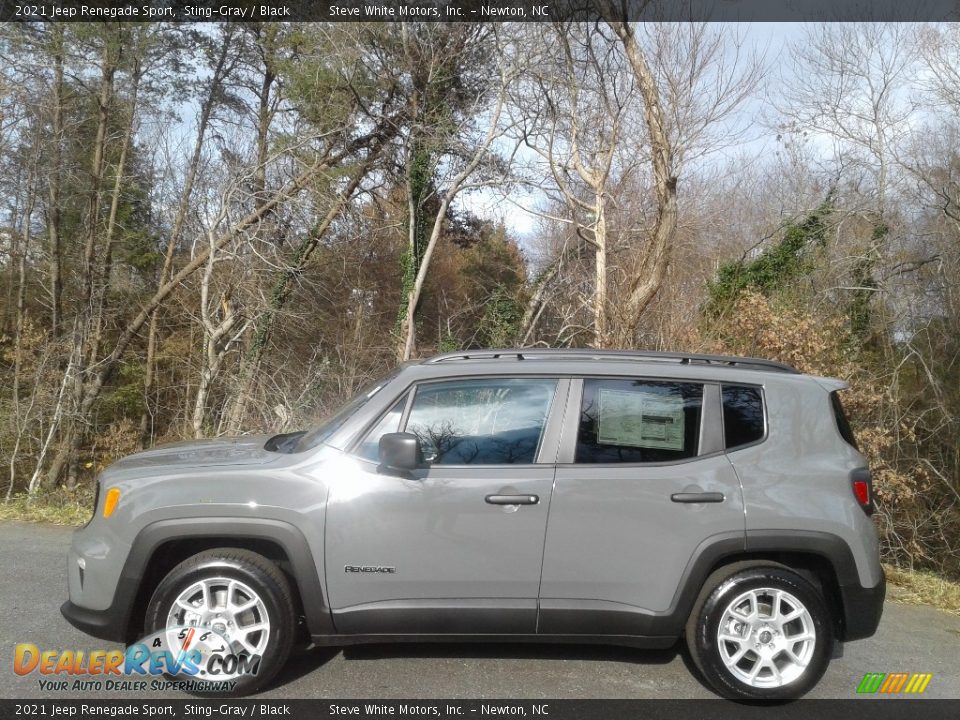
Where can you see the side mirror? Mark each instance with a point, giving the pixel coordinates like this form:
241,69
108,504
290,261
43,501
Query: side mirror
400,451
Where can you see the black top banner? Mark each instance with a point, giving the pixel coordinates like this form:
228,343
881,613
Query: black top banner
477,10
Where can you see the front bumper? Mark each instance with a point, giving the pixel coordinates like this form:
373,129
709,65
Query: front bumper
101,595
862,609
103,624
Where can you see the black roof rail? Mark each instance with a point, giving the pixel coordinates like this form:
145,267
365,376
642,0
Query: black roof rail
745,363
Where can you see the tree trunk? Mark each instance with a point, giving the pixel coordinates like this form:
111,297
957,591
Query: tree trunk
85,331
104,99
200,402
648,278
102,281
600,284
20,252
53,186
264,117
537,298
216,342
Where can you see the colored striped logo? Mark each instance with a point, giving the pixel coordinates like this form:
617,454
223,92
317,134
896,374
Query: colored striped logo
894,683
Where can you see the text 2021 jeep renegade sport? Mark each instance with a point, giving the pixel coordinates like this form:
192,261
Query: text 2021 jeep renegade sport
578,496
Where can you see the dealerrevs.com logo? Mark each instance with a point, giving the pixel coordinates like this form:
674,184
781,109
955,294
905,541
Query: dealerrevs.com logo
183,658
899,683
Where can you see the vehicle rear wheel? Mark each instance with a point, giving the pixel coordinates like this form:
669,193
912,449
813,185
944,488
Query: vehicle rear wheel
231,603
760,631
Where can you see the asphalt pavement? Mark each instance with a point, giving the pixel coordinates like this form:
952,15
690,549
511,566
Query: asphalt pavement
33,567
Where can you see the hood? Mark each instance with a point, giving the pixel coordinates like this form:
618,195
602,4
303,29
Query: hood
247,450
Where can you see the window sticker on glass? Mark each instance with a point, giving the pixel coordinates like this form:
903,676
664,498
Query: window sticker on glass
639,419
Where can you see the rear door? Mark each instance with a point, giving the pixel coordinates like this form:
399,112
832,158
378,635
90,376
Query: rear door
456,546
642,481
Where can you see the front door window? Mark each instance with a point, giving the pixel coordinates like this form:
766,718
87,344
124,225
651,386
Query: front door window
482,421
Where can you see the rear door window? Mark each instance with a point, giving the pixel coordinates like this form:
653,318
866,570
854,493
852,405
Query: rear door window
638,421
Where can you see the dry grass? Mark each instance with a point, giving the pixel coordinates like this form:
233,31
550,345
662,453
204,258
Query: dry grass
61,507
917,587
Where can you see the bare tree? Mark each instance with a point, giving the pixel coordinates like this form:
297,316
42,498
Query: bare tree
932,159
93,385
576,101
848,82
595,90
224,59
458,156
221,322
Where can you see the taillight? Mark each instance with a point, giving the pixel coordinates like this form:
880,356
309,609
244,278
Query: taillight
862,491
862,483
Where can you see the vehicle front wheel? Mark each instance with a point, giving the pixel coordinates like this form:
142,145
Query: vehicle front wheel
230,603
760,632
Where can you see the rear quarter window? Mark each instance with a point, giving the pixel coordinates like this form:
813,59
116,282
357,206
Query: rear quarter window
743,422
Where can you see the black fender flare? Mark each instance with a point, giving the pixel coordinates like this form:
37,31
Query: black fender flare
860,607
284,534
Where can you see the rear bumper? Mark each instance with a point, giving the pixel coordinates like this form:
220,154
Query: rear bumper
862,609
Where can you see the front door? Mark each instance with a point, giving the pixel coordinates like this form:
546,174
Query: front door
456,546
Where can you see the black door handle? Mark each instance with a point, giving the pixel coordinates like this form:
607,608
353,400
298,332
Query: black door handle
697,497
513,499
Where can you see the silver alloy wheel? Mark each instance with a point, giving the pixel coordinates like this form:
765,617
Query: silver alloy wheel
230,608
766,637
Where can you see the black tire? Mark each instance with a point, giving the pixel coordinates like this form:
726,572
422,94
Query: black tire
721,589
261,576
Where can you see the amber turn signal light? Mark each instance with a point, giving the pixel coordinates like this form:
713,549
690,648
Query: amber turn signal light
110,502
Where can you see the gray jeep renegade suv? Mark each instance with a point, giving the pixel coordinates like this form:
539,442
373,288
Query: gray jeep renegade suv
534,495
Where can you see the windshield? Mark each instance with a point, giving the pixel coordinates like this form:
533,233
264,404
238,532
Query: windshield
321,433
